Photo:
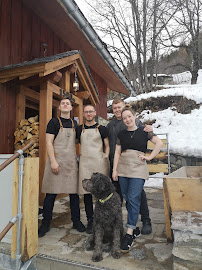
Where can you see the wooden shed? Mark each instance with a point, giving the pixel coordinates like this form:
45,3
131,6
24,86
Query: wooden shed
41,44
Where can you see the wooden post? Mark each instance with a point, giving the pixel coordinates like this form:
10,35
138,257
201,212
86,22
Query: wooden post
20,105
29,232
45,114
65,81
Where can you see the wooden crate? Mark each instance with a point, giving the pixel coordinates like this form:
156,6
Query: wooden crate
182,191
29,237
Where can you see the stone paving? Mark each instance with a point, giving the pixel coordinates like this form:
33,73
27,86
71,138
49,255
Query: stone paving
148,252
63,247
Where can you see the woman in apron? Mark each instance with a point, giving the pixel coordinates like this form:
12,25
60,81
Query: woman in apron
130,168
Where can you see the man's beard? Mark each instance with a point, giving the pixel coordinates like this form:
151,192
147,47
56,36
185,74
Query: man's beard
90,120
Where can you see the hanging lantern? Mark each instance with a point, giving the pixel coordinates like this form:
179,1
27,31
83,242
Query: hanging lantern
76,82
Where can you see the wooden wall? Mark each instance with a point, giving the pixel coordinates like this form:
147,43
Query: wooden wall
21,36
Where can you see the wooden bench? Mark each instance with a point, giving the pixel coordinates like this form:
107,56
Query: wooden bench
161,163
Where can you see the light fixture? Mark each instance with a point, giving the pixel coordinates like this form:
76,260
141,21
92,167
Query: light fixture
76,82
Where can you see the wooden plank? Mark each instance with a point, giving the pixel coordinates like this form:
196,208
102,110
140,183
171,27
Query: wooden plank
154,168
65,81
185,194
167,210
150,145
36,41
20,106
29,237
16,32
18,71
161,155
5,32
26,34
56,91
89,81
45,114
58,64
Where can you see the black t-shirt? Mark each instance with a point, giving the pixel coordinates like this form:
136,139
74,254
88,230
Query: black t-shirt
135,140
53,126
102,129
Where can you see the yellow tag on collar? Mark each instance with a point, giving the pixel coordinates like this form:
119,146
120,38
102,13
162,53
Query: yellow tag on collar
103,201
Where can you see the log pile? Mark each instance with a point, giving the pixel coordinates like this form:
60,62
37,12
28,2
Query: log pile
28,129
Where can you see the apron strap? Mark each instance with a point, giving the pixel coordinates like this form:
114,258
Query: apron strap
61,126
83,128
97,127
73,125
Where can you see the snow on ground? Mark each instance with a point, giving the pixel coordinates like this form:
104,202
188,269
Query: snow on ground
184,130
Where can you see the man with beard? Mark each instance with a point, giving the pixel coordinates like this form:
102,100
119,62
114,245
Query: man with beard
94,153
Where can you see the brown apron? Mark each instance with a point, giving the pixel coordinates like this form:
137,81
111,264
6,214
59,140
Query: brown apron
92,157
66,181
130,165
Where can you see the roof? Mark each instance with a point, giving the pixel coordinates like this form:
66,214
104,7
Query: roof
65,19
52,58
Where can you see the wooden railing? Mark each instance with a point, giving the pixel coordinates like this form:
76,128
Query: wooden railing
3,166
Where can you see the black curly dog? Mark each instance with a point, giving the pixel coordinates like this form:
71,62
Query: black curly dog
107,223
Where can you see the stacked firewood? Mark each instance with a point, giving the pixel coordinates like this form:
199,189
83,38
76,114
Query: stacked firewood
28,129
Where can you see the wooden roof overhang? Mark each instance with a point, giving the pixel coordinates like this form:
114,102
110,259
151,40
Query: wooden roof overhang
55,15
52,69
44,81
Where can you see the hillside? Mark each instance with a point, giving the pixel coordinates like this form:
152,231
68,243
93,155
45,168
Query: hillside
176,110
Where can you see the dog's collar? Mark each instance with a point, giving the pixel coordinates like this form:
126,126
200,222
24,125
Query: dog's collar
104,200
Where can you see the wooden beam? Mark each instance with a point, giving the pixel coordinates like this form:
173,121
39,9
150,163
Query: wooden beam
85,84
19,71
56,90
65,81
20,105
83,94
59,64
82,67
7,79
36,80
34,95
45,114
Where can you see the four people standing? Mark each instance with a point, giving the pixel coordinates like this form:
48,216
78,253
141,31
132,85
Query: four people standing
61,171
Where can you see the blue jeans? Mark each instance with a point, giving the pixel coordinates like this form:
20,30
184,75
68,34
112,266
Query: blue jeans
131,189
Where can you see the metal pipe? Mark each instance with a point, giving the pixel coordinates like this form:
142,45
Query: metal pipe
16,155
20,187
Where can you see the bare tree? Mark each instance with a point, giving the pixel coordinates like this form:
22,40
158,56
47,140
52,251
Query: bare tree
133,29
186,33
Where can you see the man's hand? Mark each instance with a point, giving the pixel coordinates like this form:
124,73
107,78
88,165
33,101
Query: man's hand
148,128
115,176
55,167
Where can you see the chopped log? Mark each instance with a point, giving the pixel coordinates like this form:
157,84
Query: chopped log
26,131
24,122
33,119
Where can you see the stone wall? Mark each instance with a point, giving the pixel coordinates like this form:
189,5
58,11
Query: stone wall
178,161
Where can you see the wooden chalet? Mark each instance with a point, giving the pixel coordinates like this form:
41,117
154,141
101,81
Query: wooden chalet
41,45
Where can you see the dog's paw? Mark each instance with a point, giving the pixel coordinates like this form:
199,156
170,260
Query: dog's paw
116,254
97,258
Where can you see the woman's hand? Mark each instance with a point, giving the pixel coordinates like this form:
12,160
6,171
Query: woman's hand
143,157
55,167
115,176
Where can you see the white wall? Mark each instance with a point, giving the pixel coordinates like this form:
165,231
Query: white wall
6,188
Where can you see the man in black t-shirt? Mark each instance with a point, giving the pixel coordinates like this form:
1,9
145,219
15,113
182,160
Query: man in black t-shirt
61,171
93,138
